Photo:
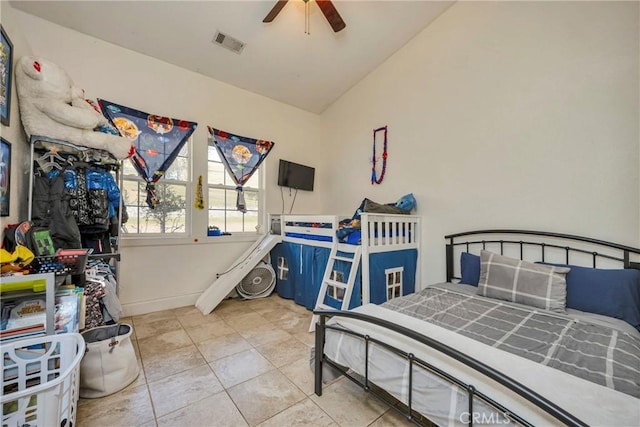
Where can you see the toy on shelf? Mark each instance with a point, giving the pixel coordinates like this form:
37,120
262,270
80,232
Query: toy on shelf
51,105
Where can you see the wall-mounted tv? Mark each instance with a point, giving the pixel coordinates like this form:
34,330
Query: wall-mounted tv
294,175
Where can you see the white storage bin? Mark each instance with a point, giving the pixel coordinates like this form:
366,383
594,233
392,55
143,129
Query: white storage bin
40,378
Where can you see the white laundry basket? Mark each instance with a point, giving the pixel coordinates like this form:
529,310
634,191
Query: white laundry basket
40,380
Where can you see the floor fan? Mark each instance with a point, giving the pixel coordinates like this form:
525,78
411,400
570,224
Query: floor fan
259,283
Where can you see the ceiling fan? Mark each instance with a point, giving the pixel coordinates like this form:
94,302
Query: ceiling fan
327,8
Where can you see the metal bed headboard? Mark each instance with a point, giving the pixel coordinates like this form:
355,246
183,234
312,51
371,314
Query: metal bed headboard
627,256
480,239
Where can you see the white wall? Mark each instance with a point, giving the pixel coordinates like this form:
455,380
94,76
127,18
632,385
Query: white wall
14,133
163,273
500,114
503,114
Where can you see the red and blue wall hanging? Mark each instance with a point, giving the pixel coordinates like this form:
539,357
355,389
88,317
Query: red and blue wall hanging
374,176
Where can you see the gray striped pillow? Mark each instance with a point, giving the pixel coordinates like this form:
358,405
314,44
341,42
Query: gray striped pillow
510,279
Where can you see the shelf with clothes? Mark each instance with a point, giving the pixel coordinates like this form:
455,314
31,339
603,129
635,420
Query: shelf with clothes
75,193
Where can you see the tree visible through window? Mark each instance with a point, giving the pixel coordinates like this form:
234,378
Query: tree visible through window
175,189
170,216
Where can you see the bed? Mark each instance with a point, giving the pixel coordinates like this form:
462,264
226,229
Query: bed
450,355
389,243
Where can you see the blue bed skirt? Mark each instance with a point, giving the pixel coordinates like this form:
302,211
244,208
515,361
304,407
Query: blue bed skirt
305,266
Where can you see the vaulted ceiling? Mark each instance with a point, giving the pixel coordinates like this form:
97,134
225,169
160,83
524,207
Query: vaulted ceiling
279,60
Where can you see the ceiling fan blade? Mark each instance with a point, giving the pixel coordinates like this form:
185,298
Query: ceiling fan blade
275,11
332,15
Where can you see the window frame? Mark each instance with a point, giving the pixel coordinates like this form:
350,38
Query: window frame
189,187
391,283
334,291
260,191
196,220
283,268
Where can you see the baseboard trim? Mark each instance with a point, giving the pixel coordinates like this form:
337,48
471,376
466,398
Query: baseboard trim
144,307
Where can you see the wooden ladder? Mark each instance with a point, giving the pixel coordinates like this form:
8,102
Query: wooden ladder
328,281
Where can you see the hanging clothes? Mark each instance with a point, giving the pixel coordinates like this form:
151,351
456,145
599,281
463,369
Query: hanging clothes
51,209
100,273
95,197
93,293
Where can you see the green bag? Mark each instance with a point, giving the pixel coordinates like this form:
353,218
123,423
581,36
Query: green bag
40,242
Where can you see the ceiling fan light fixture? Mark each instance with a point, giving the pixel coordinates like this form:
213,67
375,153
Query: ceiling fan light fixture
328,10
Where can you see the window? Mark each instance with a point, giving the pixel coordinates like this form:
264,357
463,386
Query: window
334,291
394,282
222,198
173,215
170,216
283,268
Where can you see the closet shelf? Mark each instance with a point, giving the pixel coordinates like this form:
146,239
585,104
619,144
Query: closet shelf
87,154
35,139
115,255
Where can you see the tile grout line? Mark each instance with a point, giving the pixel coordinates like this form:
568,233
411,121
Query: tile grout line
253,346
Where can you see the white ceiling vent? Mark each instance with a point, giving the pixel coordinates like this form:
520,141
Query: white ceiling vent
228,42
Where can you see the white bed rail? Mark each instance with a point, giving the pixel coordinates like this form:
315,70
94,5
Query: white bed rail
321,226
397,231
384,232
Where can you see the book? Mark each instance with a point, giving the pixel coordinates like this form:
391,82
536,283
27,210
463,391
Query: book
23,336
67,311
25,329
82,307
27,313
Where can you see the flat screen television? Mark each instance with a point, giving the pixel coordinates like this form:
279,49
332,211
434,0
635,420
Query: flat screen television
294,175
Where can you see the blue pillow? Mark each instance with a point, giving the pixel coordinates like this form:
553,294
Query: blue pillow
613,293
470,268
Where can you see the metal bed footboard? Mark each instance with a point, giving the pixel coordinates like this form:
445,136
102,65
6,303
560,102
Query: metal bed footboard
536,246
472,392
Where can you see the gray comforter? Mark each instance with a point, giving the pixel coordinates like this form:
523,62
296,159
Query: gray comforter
596,353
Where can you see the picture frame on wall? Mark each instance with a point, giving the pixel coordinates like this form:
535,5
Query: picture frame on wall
5,176
6,72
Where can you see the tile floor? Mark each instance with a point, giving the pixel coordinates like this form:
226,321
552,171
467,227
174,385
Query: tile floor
245,364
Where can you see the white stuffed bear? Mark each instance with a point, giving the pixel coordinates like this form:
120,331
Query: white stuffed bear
51,106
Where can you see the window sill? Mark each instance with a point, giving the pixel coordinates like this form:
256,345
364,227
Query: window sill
141,241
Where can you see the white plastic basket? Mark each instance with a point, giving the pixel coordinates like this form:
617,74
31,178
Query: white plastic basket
40,379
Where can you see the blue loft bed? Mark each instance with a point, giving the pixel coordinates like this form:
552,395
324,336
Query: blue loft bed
390,245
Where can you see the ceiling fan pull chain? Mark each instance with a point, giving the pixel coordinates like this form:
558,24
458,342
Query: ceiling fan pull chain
306,18
374,178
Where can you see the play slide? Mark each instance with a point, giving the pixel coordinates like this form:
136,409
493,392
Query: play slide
223,285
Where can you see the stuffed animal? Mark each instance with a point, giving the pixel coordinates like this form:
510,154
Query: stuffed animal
51,106
407,202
